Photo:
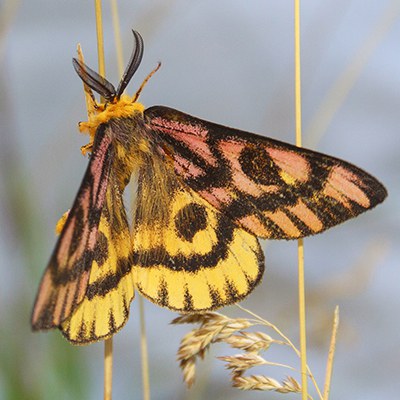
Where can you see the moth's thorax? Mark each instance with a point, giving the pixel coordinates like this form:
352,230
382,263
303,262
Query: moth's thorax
99,114
123,121
133,145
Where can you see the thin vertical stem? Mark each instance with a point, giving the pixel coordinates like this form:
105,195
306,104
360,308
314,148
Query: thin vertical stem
302,319
331,355
108,343
143,336
144,351
108,364
297,71
117,36
100,38
300,247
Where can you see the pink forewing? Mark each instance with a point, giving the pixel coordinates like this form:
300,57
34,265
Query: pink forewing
217,196
295,165
96,168
304,214
193,136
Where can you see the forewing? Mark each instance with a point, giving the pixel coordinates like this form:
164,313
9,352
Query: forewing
270,188
66,277
105,306
187,255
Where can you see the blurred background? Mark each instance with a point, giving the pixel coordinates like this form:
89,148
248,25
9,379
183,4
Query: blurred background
229,62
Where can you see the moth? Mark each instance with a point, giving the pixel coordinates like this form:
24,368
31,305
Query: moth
205,193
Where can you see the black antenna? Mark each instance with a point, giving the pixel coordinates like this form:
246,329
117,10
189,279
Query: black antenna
133,64
94,80
100,84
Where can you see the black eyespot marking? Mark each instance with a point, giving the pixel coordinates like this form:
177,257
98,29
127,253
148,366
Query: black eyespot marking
101,249
189,220
259,166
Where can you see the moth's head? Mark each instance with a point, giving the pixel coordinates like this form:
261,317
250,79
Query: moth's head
117,105
101,85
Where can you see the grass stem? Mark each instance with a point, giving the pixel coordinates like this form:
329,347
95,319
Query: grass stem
144,352
117,36
108,344
331,354
300,247
100,38
108,364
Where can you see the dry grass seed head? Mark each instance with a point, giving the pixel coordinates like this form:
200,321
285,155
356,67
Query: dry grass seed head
188,367
261,382
213,328
250,341
241,362
202,318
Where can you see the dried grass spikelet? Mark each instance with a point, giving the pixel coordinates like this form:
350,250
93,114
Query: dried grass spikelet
214,327
261,382
250,341
240,363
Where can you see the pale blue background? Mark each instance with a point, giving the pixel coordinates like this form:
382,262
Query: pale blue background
230,62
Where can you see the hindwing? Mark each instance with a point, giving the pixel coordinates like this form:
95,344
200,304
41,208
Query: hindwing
270,188
105,306
187,255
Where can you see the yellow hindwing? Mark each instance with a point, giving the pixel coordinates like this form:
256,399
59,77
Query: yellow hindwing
195,258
